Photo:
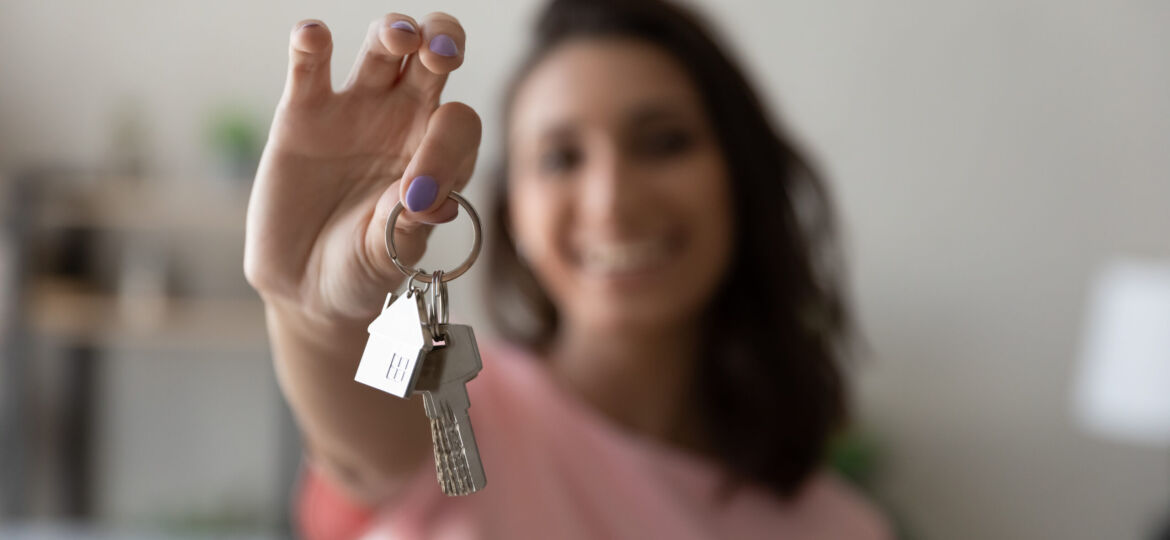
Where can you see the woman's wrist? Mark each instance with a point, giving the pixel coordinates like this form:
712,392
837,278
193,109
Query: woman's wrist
322,334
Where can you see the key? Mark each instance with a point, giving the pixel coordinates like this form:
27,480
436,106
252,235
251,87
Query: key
398,343
442,382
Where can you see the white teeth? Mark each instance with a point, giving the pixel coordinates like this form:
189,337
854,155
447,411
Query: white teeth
626,257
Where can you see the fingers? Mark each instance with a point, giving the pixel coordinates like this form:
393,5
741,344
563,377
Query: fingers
432,48
310,47
380,61
443,162
440,52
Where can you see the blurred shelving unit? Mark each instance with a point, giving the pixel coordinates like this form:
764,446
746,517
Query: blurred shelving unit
95,264
68,311
144,228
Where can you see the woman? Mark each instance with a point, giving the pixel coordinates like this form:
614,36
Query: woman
673,371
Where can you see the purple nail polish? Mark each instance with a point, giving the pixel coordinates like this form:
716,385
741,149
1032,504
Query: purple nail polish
310,24
403,25
421,193
443,45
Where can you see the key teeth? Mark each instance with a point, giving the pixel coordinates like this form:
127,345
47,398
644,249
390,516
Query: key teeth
452,464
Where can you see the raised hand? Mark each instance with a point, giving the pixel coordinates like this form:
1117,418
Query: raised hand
336,163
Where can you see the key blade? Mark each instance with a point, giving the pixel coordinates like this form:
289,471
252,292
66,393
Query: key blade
453,397
457,463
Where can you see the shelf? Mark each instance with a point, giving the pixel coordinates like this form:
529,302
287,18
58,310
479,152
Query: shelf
63,310
172,207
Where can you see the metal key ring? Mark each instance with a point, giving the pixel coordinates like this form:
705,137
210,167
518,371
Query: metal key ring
437,315
411,288
439,297
392,249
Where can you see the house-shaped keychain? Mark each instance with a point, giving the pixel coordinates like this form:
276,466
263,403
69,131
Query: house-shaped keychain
399,340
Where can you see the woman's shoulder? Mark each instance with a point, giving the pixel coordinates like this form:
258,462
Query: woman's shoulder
835,508
824,507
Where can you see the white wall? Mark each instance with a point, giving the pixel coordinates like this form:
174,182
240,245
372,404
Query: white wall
988,156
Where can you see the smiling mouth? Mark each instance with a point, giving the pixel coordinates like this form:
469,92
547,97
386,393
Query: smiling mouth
614,259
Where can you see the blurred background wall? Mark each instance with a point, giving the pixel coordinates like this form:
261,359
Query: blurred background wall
989,157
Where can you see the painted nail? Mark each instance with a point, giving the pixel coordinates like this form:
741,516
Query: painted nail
443,45
421,193
403,25
310,24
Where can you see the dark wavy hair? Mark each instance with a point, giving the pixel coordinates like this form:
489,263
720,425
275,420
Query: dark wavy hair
769,380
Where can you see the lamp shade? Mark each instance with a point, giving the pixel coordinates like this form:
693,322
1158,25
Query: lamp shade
1123,386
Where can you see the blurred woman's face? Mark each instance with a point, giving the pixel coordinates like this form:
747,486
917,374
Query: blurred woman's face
619,195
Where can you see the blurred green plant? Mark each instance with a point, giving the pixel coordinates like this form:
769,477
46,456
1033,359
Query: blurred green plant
230,518
857,457
236,137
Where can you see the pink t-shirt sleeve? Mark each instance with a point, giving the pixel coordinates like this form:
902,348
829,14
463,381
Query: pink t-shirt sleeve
324,512
557,469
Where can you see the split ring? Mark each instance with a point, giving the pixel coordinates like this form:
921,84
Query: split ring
423,276
437,314
439,298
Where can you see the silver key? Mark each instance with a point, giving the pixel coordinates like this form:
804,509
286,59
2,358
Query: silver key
398,342
442,382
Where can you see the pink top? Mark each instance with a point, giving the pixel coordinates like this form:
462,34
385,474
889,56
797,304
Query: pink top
558,469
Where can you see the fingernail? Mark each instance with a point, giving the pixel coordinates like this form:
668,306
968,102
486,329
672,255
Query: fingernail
443,45
421,193
403,25
310,24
